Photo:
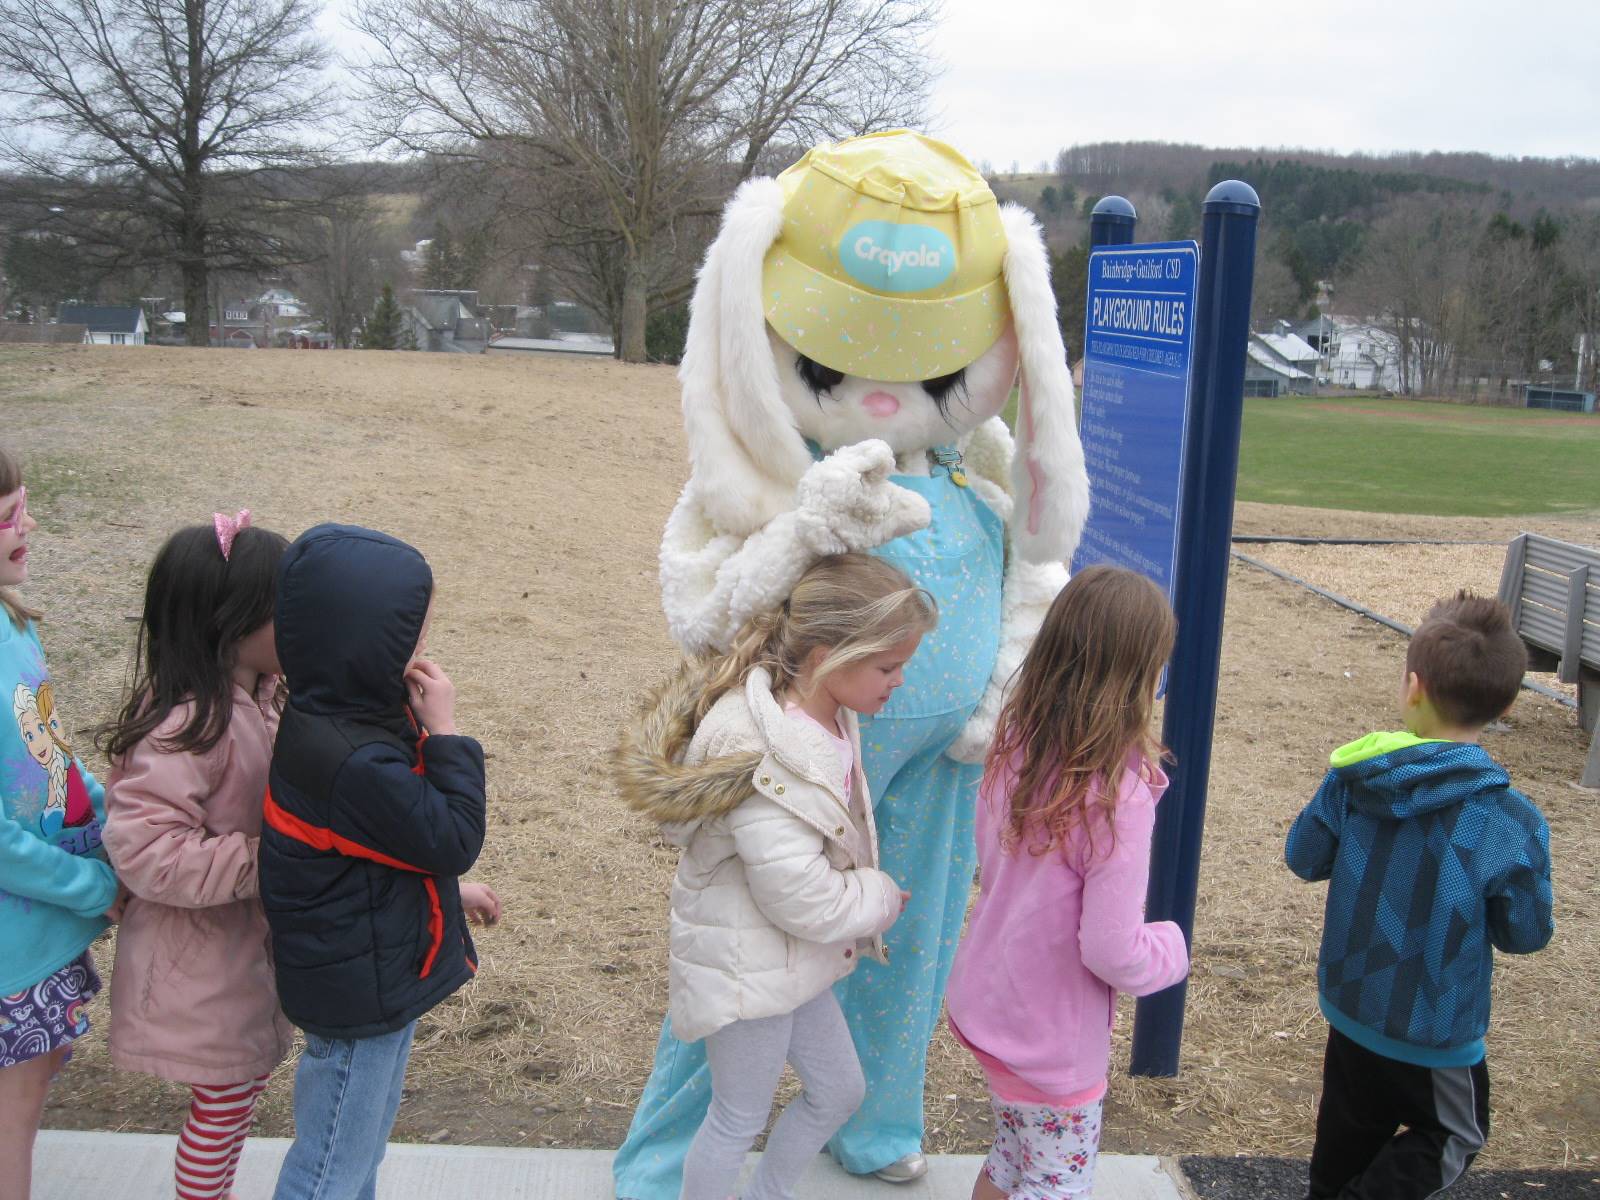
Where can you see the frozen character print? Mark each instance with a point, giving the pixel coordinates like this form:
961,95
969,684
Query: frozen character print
68,819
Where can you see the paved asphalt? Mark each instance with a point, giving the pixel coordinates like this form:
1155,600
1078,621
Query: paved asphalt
1285,1179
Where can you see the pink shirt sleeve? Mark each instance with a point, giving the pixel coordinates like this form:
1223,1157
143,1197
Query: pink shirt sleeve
156,837
1115,941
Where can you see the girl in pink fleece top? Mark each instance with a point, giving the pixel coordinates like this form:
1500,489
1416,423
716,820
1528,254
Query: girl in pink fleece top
1063,827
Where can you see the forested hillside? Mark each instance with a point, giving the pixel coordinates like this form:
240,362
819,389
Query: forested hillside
1498,258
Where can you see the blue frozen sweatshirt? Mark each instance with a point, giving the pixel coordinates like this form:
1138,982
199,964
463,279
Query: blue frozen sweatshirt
54,879
1433,862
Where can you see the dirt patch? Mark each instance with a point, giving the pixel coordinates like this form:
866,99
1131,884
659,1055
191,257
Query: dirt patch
538,490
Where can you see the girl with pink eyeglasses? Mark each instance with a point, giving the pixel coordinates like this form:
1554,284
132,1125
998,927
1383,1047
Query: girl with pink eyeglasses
57,892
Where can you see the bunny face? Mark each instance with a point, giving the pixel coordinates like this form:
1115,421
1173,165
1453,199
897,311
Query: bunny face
834,409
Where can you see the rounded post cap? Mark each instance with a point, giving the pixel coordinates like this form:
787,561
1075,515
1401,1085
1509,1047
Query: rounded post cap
1116,209
1233,196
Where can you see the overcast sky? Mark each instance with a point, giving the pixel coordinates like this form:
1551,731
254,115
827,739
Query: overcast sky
1023,78
1027,77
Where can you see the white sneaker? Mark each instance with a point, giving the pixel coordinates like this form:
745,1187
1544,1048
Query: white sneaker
904,1170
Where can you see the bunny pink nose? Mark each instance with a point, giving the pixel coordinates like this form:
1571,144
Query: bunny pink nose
880,404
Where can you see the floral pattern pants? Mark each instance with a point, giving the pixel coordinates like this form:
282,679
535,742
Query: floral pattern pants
1044,1153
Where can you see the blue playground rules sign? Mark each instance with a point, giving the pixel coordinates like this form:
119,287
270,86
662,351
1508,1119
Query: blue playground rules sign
1138,340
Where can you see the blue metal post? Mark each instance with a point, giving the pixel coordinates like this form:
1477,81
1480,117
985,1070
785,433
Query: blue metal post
1210,465
1111,222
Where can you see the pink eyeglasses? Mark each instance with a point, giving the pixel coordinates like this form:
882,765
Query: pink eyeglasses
19,513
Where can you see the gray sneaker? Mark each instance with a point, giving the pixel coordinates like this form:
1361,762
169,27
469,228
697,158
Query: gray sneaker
904,1170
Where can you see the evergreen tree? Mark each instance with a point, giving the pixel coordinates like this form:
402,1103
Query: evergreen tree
387,328
441,264
1069,279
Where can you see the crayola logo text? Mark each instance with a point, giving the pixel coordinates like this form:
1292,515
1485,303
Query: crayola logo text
888,257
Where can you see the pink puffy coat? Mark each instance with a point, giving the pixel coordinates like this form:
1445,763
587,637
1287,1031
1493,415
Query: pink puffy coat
192,994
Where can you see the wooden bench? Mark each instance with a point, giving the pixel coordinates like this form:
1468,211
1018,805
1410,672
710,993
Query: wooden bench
1553,590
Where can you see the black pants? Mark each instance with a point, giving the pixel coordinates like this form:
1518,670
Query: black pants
1366,1098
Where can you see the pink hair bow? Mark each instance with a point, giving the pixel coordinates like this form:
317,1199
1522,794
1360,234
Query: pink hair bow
228,528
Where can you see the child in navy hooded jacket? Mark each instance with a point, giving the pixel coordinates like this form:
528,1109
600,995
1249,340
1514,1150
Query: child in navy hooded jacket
375,806
1433,861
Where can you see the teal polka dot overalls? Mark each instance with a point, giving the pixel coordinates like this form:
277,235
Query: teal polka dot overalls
923,804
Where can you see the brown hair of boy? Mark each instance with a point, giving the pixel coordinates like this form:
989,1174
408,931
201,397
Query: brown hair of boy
1468,658
1081,702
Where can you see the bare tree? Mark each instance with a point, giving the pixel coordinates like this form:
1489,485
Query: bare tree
635,117
1414,282
1581,251
162,129
1275,294
351,254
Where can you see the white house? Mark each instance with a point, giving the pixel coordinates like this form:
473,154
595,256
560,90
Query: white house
108,325
1355,353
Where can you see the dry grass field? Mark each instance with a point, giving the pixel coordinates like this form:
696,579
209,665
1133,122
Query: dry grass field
538,490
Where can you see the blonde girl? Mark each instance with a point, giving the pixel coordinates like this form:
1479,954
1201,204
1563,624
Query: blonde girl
1064,820
751,762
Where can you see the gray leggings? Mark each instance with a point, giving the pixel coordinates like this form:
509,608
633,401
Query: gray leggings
746,1060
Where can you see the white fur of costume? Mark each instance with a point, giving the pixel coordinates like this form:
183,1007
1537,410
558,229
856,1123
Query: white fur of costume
757,510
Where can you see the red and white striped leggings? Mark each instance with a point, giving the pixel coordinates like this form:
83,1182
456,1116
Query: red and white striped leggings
213,1137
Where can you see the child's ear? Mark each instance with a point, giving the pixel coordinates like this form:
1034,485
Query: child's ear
1416,693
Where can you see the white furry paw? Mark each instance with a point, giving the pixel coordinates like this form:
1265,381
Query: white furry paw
972,743
846,502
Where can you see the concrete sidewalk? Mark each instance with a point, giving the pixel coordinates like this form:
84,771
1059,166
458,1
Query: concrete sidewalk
138,1166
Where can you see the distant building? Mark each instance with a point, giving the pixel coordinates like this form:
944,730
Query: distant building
446,320
1354,353
1292,348
593,345
108,325
1267,372
244,326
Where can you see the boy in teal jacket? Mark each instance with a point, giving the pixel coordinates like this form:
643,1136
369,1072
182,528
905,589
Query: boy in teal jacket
1433,861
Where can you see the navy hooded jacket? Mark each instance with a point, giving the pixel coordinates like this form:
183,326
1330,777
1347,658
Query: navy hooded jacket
367,823
1433,860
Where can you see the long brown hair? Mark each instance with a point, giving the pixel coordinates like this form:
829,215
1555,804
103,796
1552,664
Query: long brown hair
10,481
198,606
853,605
1081,703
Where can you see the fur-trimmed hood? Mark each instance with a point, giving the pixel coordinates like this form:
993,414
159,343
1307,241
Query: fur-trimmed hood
652,776
681,774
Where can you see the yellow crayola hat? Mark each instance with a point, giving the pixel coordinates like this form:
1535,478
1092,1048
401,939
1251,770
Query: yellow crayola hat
888,262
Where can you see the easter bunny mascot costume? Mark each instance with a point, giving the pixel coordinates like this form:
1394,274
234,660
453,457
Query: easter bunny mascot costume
857,328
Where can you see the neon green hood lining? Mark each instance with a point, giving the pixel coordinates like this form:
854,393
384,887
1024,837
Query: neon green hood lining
1375,745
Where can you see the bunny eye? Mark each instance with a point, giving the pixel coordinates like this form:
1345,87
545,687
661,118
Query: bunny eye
941,389
818,378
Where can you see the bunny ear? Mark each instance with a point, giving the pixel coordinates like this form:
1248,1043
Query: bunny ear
1047,473
745,453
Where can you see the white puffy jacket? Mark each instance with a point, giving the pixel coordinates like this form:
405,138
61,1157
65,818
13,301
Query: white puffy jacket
777,894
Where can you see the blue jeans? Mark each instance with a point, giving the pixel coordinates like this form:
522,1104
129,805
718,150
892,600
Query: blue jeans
346,1095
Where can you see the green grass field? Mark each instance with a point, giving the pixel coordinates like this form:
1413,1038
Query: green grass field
1407,456
1414,456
